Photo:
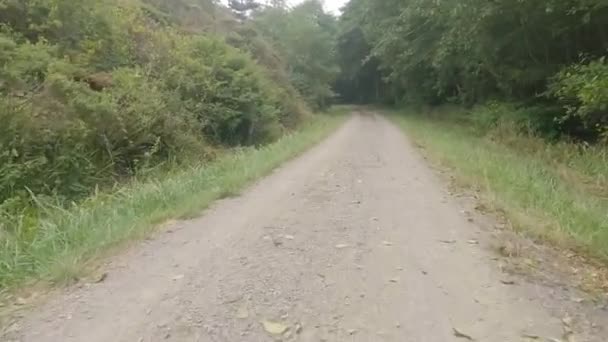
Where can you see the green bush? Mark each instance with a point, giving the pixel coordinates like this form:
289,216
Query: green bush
536,120
68,138
93,92
583,91
228,93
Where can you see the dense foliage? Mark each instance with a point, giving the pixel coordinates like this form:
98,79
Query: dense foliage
305,35
545,54
93,91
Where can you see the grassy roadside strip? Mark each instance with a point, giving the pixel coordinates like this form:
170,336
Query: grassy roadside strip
527,183
67,240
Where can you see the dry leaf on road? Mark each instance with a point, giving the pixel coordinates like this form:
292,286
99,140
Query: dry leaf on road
242,312
460,334
274,328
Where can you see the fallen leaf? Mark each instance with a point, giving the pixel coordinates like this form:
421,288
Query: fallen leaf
352,331
569,337
178,277
508,282
394,280
242,312
100,277
480,207
341,246
387,243
298,328
289,237
233,300
274,328
447,241
459,334
473,242
509,249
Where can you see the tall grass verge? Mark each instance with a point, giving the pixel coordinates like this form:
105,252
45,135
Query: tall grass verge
556,192
63,241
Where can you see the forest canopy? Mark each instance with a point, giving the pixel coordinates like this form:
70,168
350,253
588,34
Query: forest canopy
545,58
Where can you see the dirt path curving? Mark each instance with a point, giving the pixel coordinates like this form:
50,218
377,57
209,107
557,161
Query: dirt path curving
357,240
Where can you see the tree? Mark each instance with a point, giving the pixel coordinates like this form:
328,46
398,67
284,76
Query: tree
472,51
242,8
305,35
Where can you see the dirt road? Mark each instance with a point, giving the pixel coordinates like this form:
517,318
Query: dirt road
356,240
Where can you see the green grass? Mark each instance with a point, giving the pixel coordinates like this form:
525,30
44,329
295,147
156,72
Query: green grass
556,192
63,243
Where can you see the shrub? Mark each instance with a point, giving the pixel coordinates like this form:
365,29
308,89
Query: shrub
92,92
583,91
537,120
68,138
